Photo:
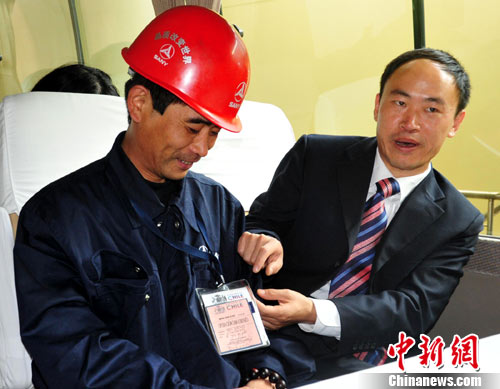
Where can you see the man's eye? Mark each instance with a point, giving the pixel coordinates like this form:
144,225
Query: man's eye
432,109
193,130
400,103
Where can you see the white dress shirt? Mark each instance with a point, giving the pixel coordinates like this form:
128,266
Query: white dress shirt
327,316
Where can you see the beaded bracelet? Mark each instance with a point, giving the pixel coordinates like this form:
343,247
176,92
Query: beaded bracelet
264,372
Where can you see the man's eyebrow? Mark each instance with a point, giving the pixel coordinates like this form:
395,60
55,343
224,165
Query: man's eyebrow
399,92
200,121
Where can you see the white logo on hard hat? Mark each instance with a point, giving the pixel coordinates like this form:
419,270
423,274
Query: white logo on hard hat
167,51
240,92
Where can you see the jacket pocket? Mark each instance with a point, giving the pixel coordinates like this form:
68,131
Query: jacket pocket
202,273
122,289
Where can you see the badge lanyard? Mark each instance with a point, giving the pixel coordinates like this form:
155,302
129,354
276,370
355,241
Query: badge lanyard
229,309
216,266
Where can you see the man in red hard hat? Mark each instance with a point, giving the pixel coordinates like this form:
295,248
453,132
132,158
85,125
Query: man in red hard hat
123,266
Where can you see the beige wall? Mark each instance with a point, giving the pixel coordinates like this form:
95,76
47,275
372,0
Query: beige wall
39,38
119,22
471,30
320,61
36,36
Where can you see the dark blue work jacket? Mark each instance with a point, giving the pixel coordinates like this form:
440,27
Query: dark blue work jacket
104,302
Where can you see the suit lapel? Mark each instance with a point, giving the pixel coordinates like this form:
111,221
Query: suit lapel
353,183
418,211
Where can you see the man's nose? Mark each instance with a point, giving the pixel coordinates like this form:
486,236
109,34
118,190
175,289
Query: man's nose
411,120
200,144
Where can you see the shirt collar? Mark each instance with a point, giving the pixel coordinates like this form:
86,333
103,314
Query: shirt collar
406,184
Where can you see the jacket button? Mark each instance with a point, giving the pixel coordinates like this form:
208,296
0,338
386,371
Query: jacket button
177,224
147,297
137,269
159,224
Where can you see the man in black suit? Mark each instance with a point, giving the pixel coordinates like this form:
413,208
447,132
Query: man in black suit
314,206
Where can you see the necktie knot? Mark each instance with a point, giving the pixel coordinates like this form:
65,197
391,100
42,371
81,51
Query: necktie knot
388,187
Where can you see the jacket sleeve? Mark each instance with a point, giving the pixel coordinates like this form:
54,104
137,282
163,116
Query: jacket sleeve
286,356
70,346
414,304
274,212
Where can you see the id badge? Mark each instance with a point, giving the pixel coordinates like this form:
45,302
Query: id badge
233,318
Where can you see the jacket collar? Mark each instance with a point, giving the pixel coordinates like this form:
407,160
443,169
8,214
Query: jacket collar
417,212
354,173
129,181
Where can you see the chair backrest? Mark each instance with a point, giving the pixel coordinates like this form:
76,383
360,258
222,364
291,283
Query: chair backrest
46,135
473,307
245,162
76,129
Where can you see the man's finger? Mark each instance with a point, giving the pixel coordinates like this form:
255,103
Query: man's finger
274,264
261,257
274,294
246,247
260,251
270,326
265,310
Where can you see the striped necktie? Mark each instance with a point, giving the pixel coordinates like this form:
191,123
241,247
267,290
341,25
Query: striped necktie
353,276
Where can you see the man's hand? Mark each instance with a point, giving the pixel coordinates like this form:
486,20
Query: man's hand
259,383
293,308
261,251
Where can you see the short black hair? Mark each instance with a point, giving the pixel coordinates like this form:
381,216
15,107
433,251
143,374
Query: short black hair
448,63
161,97
76,78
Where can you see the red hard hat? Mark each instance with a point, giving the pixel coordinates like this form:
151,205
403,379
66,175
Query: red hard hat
195,54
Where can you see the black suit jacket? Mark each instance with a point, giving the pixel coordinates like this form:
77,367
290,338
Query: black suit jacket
314,206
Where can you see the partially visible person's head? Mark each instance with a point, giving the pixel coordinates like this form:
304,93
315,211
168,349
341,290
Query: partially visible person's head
420,104
190,72
446,61
76,78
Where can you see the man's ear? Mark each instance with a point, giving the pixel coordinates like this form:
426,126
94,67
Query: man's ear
456,124
137,99
377,105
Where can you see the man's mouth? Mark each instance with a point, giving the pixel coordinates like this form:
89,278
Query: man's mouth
187,164
406,143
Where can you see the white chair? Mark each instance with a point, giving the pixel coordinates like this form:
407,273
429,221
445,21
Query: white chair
43,136
245,162
15,366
